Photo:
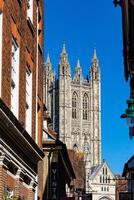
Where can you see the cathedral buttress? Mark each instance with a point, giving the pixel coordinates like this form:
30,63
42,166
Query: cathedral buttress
64,97
95,110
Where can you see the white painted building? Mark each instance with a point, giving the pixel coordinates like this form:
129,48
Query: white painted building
102,182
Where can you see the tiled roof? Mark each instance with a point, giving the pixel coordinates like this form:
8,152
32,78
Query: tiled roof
77,160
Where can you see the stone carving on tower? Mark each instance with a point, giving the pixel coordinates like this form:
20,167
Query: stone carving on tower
74,105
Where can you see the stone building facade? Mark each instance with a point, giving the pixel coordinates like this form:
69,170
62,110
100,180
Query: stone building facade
102,182
74,106
21,99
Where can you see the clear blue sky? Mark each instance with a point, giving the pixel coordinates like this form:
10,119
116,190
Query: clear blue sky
84,25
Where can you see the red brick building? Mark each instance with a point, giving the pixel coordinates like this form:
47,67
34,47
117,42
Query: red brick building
21,96
121,186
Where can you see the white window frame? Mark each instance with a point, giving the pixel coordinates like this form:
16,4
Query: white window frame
1,30
30,10
28,118
15,77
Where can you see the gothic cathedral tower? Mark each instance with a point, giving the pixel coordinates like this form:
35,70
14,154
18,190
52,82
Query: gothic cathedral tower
75,108
64,98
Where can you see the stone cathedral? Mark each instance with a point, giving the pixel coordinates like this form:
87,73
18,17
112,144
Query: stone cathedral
75,108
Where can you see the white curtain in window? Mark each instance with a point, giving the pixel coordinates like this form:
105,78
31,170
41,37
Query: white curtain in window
30,9
28,100
15,78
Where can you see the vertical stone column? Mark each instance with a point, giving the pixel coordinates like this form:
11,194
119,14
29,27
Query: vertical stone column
1,182
19,178
31,193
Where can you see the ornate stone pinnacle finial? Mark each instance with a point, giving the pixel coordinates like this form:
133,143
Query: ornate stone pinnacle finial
95,54
94,58
48,58
78,63
64,48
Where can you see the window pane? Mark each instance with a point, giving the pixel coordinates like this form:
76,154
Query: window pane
15,77
28,99
74,105
85,107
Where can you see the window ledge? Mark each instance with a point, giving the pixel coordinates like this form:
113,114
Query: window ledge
20,2
40,49
30,24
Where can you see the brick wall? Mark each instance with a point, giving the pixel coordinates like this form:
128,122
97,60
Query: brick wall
15,22
16,185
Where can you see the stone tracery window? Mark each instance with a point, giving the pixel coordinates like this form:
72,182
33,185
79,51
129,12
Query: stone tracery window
74,105
85,107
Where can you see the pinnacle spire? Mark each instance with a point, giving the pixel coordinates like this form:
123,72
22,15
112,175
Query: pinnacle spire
78,63
64,55
48,59
78,77
64,49
95,54
48,63
95,58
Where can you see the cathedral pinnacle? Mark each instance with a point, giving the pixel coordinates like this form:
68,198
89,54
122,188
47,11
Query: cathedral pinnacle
78,73
64,49
48,59
95,60
78,64
64,66
48,63
95,69
95,54
64,56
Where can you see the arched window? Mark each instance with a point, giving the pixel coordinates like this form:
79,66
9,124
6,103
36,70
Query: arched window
74,105
63,70
75,147
85,107
103,179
